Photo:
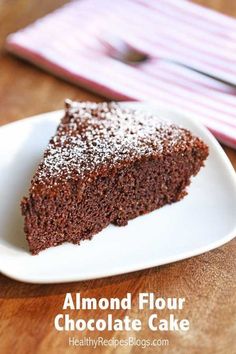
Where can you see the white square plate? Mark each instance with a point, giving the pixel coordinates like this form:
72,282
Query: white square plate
203,220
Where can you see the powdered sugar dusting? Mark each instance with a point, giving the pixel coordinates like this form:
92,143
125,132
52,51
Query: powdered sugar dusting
93,136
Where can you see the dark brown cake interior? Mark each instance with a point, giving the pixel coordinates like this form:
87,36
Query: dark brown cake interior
106,165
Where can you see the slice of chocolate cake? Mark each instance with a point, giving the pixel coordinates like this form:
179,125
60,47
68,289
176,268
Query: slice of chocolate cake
106,164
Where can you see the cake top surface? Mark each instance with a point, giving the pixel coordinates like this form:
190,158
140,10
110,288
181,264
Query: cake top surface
94,136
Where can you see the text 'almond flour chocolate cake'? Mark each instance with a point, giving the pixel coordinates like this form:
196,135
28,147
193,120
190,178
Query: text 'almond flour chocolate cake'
106,164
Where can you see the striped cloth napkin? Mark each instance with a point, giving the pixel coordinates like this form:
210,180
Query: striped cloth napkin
68,43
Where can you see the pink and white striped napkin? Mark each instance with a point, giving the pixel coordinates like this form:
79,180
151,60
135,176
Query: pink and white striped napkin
68,43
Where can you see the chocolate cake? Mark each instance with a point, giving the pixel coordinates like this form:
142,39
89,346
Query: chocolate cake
106,164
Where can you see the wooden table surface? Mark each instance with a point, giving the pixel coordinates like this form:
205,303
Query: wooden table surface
208,282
